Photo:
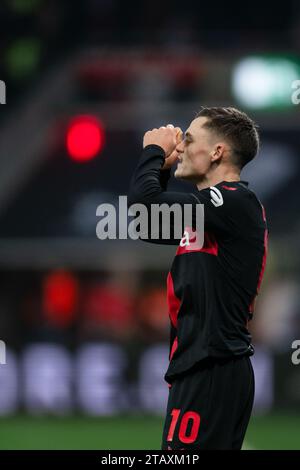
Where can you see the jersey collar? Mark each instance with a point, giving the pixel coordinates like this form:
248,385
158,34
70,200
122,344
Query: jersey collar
242,182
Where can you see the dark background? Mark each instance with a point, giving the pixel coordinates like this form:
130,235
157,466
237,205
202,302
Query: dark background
85,321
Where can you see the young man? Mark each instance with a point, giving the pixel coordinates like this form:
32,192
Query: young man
211,290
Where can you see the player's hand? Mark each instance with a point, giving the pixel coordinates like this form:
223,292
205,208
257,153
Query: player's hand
166,137
171,159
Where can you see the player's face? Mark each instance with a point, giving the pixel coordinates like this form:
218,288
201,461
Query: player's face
194,152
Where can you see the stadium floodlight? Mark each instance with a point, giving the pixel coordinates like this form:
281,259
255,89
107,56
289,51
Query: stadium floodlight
262,82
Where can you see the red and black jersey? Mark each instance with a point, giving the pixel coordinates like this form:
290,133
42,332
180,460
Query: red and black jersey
211,289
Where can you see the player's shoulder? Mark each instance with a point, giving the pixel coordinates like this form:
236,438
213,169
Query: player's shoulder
240,199
229,193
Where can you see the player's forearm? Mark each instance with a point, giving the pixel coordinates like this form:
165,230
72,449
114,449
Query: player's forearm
148,180
148,186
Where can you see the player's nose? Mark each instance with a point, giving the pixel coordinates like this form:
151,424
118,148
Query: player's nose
180,147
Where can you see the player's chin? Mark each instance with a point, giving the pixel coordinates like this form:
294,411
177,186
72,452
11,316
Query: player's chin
180,173
177,173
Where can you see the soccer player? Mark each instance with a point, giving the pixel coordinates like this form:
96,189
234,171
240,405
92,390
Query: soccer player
211,290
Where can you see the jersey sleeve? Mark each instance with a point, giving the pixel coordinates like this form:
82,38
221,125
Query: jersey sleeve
149,187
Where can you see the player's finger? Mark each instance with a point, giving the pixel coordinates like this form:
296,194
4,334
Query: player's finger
179,134
170,126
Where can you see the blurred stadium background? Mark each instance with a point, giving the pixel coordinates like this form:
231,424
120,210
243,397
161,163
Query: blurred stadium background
85,321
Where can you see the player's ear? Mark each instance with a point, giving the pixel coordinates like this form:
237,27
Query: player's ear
218,151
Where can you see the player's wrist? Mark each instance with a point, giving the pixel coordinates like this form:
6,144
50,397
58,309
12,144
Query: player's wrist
155,149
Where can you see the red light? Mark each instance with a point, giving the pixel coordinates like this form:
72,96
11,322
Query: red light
85,138
60,298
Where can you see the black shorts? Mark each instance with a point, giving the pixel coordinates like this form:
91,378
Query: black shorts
209,407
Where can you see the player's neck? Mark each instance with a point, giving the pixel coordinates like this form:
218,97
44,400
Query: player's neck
211,179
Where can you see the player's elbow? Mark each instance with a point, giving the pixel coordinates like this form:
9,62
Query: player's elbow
133,197
139,195
144,193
